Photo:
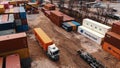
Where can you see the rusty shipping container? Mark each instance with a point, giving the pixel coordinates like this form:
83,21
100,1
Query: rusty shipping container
1,62
13,42
113,39
56,17
13,61
111,49
116,28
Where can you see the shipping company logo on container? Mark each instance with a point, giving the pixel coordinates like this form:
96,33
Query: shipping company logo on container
82,31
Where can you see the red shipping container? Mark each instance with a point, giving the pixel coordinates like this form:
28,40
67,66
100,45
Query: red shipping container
13,42
113,39
116,28
13,61
24,21
1,62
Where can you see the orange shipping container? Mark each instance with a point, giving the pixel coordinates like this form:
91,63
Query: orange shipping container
111,49
42,38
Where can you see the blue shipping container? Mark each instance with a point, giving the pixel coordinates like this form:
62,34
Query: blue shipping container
22,13
22,28
67,27
76,23
6,26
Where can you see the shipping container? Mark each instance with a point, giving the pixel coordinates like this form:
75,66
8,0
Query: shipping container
13,61
43,38
74,27
113,39
2,9
76,23
116,27
18,22
56,17
95,36
13,42
5,24
22,28
11,18
67,27
24,53
111,49
24,22
7,32
96,26
1,62
22,13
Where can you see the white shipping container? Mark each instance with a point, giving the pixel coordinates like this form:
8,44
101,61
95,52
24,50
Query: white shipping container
11,18
6,32
96,26
91,34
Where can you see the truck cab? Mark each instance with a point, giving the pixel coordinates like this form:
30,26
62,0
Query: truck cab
53,52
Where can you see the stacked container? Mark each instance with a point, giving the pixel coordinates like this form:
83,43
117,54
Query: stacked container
23,25
70,26
14,43
58,17
7,25
112,41
93,30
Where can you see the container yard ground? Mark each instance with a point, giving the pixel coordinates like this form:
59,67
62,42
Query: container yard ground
68,43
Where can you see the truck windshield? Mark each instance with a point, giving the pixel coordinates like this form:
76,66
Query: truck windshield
56,52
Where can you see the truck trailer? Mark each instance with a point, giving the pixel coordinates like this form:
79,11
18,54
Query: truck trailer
47,44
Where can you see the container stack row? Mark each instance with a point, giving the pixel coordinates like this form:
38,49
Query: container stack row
14,21
112,41
15,44
93,30
21,21
70,26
